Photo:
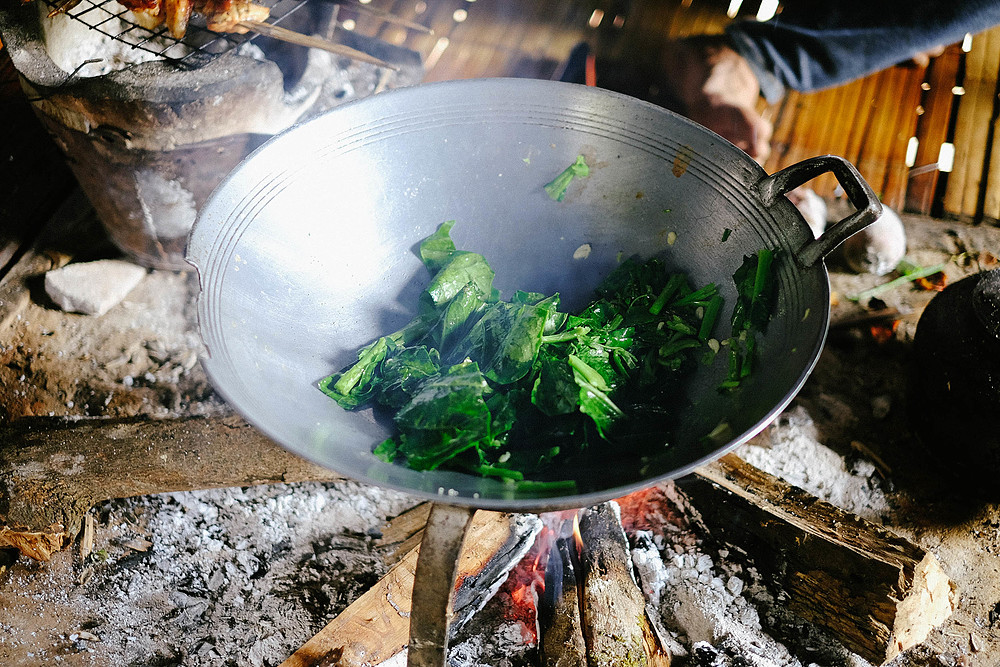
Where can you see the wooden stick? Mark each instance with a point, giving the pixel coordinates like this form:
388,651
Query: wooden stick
560,625
876,592
292,37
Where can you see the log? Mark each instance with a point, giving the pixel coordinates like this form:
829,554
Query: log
615,626
376,626
53,471
873,590
560,625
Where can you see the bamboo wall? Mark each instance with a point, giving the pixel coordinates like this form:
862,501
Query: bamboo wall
871,122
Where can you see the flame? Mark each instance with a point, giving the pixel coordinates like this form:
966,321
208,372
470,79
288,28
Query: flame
577,537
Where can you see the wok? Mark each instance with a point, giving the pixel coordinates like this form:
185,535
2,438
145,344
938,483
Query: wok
306,252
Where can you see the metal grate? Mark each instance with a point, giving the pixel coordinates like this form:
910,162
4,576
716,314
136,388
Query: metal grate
198,47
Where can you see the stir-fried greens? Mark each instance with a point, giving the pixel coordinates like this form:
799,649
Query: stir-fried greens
504,388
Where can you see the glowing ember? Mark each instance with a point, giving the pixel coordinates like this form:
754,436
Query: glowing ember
883,333
935,282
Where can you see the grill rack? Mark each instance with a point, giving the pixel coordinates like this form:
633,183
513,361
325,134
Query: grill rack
198,47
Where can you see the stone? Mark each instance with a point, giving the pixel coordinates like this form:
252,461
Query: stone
92,288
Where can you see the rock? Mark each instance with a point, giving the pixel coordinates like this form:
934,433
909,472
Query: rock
92,288
878,248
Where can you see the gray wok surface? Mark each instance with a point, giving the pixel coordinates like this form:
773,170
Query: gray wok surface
306,252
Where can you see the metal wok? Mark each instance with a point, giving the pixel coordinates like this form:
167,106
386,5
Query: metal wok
306,252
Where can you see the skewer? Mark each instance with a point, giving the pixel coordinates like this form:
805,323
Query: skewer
62,7
292,37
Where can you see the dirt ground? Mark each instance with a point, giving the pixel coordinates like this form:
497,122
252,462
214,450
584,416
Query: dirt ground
141,359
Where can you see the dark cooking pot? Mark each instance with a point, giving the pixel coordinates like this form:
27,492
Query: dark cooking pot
305,253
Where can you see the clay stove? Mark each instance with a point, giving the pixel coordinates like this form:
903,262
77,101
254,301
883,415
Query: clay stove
151,124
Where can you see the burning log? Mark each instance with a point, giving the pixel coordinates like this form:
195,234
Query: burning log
562,643
376,626
875,591
616,628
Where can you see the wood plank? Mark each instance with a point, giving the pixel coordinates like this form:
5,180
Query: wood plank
874,154
868,90
832,136
991,203
842,102
786,122
119,458
905,125
876,592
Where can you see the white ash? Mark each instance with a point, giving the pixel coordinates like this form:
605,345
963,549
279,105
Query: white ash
230,576
509,644
796,455
700,605
168,209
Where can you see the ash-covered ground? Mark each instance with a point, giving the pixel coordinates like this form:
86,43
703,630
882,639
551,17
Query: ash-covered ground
245,576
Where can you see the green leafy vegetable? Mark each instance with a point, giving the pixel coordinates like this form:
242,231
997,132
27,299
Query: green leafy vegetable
556,188
516,389
756,291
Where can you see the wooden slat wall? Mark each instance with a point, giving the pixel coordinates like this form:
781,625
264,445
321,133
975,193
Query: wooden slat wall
885,110
975,114
932,130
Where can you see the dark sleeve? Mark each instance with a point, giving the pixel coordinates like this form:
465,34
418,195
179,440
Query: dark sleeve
812,45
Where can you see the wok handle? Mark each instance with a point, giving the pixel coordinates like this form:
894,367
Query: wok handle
433,583
867,205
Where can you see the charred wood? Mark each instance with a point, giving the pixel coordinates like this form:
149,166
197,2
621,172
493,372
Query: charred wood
560,624
615,626
376,626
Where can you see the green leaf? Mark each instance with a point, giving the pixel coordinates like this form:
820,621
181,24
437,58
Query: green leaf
386,450
403,372
555,391
506,340
438,248
460,270
446,416
355,386
556,188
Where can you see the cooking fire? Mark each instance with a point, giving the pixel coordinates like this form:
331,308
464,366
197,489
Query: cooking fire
145,520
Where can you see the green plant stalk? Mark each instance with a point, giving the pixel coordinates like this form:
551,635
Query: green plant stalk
914,274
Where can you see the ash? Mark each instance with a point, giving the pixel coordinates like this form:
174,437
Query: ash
793,452
220,577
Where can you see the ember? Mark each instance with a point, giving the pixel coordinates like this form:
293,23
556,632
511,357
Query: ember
883,333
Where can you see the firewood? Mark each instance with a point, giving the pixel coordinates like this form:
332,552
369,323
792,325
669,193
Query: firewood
376,626
874,591
53,471
614,607
560,626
